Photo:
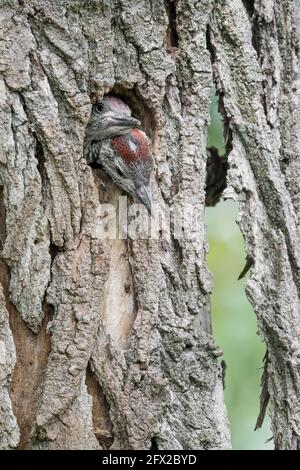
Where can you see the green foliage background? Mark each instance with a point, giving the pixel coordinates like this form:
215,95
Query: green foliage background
234,322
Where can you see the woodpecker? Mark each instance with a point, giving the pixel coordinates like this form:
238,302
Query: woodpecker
113,142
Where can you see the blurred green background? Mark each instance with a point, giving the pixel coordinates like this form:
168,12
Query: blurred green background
234,322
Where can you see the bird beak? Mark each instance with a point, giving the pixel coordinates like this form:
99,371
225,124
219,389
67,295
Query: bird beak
144,195
121,124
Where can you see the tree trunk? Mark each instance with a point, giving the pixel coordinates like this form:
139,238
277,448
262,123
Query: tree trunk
107,342
255,57
113,348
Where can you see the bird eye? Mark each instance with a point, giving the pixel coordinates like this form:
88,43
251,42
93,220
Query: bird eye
100,106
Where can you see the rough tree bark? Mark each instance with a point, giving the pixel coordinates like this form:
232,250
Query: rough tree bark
107,343
255,58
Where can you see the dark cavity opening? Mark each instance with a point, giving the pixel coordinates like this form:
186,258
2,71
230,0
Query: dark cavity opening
172,35
40,156
154,445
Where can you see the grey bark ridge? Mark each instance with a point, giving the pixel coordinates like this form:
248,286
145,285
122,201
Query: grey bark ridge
9,430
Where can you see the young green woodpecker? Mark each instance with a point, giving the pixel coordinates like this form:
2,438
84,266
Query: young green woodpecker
129,163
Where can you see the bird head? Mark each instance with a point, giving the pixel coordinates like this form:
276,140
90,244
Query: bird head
110,117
